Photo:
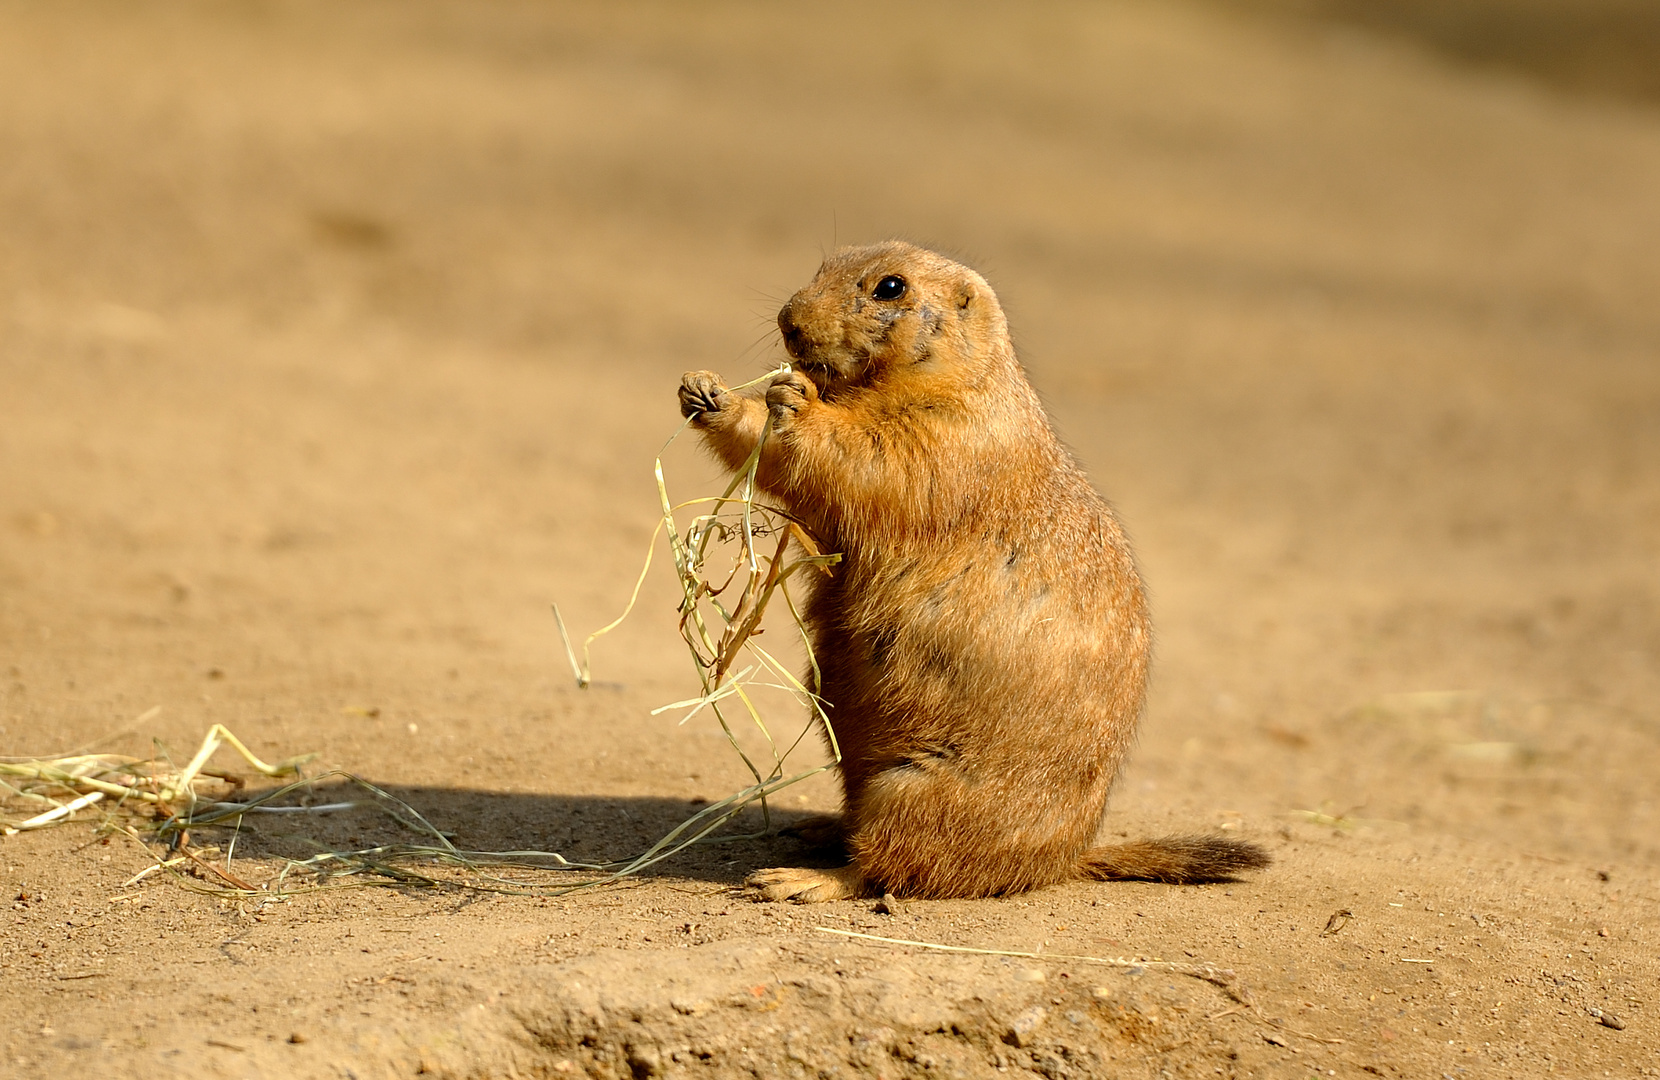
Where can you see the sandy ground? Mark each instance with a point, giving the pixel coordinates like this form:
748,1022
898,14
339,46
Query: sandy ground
336,341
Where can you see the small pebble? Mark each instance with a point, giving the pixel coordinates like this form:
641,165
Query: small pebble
1023,1031
296,1038
1607,1019
644,1060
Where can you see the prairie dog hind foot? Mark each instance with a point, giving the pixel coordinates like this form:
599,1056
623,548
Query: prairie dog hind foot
806,886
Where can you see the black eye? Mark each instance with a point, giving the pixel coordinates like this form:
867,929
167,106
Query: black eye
891,287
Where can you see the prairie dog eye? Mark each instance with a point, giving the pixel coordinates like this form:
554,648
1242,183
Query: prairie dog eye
891,287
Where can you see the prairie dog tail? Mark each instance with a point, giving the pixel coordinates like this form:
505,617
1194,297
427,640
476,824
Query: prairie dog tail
1174,860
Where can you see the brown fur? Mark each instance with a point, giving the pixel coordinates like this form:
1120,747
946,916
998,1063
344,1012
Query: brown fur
984,642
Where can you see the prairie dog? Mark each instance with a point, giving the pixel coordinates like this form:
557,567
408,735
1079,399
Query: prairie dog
984,642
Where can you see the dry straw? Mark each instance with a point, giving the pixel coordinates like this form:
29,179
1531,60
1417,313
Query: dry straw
732,558
1224,979
720,612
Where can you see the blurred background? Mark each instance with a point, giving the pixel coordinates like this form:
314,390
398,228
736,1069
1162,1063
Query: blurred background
336,341
1605,47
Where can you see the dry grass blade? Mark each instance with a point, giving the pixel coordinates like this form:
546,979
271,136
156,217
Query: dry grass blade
1223,979
718,638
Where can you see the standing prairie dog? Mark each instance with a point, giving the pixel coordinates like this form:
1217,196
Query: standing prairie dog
984,641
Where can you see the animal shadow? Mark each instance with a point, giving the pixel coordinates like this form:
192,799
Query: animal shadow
582,828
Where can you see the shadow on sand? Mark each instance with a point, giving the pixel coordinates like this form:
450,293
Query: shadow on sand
582,828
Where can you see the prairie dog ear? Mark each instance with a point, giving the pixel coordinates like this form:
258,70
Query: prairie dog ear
965,295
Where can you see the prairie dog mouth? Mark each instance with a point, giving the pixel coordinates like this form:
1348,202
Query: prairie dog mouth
817,370
828,376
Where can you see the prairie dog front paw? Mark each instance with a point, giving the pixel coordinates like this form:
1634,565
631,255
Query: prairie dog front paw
701,393
788,393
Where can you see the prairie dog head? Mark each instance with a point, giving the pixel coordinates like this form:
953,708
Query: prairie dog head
893,311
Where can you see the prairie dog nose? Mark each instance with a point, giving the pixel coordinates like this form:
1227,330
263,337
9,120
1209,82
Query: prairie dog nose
795,343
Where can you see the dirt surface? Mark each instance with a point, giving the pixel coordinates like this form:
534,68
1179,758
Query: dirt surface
336,341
